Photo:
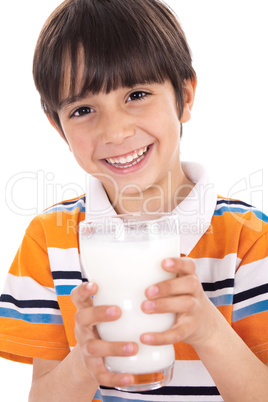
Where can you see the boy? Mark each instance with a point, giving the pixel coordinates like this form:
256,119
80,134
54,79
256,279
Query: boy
116,81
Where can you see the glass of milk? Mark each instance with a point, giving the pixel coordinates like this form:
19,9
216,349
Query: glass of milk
123,255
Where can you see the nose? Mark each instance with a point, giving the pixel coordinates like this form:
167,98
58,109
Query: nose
116,126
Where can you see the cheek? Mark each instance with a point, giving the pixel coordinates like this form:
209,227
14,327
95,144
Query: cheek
80,142
83,152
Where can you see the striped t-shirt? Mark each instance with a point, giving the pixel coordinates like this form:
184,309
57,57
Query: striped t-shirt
227,239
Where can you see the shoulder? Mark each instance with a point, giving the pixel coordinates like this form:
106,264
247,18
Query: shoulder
243,224
235,228
240,214
74,205
235,206
57,226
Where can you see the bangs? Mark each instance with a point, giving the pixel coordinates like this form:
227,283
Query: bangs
108,55
101,45
113,65
93,69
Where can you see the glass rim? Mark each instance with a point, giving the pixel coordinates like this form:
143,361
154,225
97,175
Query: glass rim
131,217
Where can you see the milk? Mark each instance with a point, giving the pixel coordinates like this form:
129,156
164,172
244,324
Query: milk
123,270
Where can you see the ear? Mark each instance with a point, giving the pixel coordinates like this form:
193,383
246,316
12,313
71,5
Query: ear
189,94
57,128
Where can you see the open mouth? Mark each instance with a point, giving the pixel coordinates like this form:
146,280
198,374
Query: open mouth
128,160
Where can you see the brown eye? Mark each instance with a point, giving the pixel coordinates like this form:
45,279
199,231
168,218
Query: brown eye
137,95
82,111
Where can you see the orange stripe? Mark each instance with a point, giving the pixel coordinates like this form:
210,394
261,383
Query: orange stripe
183,351
62,228
38,340
218,241
260,345
68,311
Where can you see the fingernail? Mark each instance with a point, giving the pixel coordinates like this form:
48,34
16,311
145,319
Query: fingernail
111,311
127,380
129,348
89,286
152,291
149,305
147,338
169,263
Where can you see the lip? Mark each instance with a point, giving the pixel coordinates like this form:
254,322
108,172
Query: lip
132,169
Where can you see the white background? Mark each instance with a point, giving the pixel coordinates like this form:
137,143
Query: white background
228,131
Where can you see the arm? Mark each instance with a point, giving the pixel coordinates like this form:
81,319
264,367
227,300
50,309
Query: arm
61,381
200,324
78,376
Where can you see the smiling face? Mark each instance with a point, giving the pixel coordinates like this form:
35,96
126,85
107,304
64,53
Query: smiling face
128,138
107,73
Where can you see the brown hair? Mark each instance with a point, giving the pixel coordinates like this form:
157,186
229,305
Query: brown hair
123,42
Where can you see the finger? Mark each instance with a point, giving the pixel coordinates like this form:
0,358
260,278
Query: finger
90,316
113,380
188,284
178,305
100,348
181,266
105,377
82,294
179,332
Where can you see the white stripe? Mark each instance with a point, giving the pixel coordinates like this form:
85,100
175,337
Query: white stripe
235,205
66,206
38,310
163,398
189,372
220,292
25,288
186,373
64,259
251,275
67,282
217,269
249,302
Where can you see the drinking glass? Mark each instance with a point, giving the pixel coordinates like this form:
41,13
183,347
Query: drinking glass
123,254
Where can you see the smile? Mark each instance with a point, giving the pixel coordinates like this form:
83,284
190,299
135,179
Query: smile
128,160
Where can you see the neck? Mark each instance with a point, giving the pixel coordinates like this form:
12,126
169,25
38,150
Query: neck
161,197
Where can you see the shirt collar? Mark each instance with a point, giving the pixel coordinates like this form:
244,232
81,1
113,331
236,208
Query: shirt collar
195,211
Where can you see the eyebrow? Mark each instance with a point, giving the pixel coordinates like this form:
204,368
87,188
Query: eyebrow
71,99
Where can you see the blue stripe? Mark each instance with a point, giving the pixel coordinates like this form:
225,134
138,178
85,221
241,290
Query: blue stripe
161,394
62,207
260,215
224,300
98,395
32,318
64,290
158,398
250,310
109,398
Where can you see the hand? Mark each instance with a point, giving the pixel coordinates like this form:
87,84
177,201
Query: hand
196,317
92,348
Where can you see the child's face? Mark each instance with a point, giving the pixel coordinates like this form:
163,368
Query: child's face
128,138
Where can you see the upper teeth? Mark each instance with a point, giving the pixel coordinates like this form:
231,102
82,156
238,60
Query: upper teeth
128,158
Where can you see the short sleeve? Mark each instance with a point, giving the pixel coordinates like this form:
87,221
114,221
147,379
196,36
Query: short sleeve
250,303
31,324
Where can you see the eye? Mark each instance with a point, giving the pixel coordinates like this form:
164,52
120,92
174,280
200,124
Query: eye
137,95
82,111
